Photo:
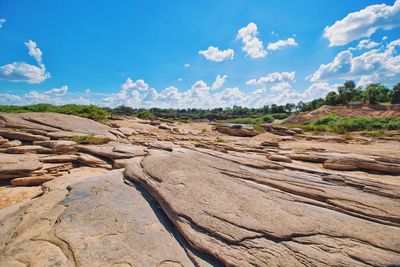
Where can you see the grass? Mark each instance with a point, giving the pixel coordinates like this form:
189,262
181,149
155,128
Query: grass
219,139
88,139
85,111
341,125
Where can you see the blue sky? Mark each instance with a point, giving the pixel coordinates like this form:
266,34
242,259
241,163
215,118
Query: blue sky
134,52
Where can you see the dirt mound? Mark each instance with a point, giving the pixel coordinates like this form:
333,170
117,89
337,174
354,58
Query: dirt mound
376,111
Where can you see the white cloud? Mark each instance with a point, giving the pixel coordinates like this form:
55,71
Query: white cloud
187,65
377,65
180,79
2,21
384,38
219,81
216,55
87,91
57,91
363,23
273,78
139,84
365,44
282,43
23,72
251,44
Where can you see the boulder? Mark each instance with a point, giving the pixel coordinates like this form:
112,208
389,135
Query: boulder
270,144
3,140
60,158
346,164
317,158
14,135
279,130
236,130
134,151
106,151
93,161
127,131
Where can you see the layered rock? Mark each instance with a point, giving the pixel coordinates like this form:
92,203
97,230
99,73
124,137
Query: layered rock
236,130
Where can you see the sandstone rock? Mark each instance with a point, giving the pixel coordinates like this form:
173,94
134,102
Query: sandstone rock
346,163
10,196
388,159
13,135
12,143
29,181
162,146
106,151
270,143
281,158
308,157
236,131
100,222
127,131
18,164
134,151
93,161
64,134
59,146
60,158
29,149
3,140
248,217
335,139
117,133
279,130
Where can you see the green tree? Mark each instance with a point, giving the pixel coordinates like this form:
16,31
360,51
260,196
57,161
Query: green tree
349,92
376,93
396,94
331,99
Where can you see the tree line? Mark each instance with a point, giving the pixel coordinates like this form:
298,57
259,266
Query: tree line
347,94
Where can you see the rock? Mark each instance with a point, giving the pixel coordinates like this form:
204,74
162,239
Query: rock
9,196
14,135
236,131
159,145
345,164
248,217
60,158
64,134
281,158
30,181
163,126
59,146
12,143
117,133
308,157
134,151
18,164
127,131
106,151
279,130
388,159
3,141
297,130
93,161
29,149
270,143
334,139
101,221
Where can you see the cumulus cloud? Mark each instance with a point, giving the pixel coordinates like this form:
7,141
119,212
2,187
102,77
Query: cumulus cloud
365,44
363,23
252,46
216,55
2,21
23,72
282,43
377,65
219,81
139,84
57,91
273,78
187,65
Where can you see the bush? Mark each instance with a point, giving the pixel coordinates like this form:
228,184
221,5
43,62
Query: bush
279,116
88,139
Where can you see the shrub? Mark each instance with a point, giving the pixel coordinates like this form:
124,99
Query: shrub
88,139
219,139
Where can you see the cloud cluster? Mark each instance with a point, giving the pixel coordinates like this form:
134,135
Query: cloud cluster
363,23
24,72
200,95
219,81
365,44
377,65
2,21
252,46
274,77
216,55
282,43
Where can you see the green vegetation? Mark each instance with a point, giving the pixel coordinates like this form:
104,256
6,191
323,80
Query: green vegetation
333,123
88,139
219,139
86,111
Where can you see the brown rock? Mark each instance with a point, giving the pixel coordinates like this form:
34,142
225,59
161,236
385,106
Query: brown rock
60,158
106,151
127,131
270,143
281,158
362,164
30,181
308,157
29,149
14,135
59,146
12,143
93,161
18,164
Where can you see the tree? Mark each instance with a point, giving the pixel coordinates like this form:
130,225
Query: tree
331,99
289,107
349,92
396,94
376,93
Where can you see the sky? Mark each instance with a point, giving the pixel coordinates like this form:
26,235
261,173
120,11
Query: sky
193,54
